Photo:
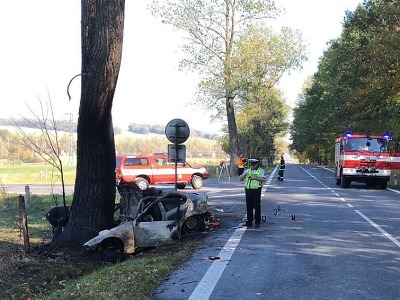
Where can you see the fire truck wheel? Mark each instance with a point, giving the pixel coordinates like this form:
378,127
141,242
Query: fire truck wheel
197,182
371,183
382,184
345,181
142,183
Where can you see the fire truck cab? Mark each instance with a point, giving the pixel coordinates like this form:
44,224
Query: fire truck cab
363,158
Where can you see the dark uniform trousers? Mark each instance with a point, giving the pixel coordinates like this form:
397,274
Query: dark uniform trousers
253,202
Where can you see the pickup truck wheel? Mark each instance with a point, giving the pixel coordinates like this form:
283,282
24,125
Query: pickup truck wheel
142,183
197,182
181,186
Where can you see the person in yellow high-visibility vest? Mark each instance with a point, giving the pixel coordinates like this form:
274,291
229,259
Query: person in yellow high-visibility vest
253,177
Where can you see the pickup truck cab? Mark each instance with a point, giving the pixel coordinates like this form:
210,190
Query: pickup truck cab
156,169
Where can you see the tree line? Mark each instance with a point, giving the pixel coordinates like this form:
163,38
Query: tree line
356,86
240,59
68,126
62,125
14,151
160,129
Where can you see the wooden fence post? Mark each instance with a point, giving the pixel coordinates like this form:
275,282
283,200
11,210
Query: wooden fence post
24,223
27,196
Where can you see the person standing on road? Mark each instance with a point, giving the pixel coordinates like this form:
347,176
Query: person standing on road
281,169
253,177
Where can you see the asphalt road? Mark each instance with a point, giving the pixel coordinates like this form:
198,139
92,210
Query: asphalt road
40,189
319,241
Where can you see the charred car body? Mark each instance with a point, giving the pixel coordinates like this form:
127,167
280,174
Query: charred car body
156,220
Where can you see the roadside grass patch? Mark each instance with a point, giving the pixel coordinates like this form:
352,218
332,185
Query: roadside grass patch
133,279
76,274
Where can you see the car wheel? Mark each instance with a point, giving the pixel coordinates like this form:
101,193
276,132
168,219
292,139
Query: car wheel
112,251
181,186
193,224
197,182
142,183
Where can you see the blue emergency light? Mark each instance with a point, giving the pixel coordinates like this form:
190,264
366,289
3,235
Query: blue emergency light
348,134
387,136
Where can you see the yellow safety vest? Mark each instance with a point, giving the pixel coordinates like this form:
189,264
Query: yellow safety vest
252,184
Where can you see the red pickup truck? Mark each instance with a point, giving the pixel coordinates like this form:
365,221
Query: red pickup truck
154,169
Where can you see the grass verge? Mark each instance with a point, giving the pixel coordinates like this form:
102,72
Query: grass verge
75,274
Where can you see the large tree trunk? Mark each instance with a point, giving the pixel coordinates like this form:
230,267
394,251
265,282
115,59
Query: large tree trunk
233,136
92,208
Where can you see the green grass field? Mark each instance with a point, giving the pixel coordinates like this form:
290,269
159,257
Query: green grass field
46,174
34,173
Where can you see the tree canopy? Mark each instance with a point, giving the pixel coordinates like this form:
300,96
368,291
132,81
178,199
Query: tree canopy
230,44
356,85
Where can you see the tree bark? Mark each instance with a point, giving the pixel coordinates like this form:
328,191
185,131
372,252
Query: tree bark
92,208
233,136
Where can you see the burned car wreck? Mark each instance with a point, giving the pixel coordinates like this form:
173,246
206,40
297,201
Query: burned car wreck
153,220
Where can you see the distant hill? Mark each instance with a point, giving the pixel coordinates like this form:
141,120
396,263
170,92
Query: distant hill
136,129
160,129
11,124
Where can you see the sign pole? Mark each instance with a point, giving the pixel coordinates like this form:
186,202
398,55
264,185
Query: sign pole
177,132
176,157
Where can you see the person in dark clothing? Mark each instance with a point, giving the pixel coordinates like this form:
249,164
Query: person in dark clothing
253,177
281,169
58,218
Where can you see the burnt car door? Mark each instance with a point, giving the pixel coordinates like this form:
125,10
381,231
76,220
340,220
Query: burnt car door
159,220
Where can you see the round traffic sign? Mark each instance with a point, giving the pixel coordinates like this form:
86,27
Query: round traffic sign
177,131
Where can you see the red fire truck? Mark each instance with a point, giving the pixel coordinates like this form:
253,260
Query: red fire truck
364,158
396,156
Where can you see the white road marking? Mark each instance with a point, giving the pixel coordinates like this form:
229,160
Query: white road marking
271,176
398,192
225,196
387,235
396,242
213,274
392,190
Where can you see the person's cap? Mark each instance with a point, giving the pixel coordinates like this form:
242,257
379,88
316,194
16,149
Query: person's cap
253,161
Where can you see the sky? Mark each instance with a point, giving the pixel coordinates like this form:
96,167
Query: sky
41,53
